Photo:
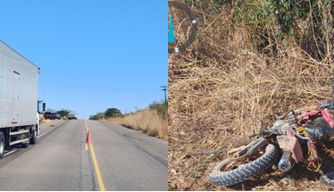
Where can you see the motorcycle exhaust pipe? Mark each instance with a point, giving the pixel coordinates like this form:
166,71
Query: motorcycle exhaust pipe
286,161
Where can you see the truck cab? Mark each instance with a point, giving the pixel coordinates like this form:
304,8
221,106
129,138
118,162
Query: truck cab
51,115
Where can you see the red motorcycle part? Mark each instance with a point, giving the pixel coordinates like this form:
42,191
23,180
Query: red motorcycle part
328,117
308,114
297,153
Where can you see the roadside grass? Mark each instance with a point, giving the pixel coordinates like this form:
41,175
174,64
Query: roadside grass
148,121
222,85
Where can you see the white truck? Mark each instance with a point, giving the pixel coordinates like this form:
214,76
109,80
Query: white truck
72,115
19,120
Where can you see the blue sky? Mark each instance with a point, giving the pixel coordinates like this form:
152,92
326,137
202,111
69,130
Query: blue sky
92,54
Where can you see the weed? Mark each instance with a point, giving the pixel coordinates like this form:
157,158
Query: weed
236,73
146,120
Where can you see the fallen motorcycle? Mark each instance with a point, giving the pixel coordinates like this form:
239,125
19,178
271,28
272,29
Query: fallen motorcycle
290,141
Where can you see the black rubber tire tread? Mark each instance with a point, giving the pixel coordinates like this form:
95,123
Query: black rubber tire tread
2,142
245,171
33,139
25,145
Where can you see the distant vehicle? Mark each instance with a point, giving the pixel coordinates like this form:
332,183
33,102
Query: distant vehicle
72,115
51,115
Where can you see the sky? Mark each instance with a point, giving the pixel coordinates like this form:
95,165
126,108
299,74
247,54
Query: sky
92,55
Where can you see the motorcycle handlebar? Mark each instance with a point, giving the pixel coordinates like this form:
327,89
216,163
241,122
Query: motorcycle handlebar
312,108
330,105
266,132
323,105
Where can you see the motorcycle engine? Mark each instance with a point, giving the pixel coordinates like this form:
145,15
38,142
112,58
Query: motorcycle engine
319,129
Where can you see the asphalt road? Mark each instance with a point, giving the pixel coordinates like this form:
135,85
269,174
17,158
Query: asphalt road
117,159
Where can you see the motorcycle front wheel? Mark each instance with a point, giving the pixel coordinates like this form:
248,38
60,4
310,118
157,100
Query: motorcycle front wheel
230,171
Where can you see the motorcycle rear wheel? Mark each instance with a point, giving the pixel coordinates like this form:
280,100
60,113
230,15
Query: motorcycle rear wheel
221,177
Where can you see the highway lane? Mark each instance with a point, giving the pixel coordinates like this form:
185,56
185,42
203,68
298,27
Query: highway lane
45,128
61,161
129,160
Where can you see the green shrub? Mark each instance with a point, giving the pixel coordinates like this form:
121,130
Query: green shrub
161,108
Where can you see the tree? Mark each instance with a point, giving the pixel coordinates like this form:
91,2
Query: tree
63,112
113,112
161,108
98,116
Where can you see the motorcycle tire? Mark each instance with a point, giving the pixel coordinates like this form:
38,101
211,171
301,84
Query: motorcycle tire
245,171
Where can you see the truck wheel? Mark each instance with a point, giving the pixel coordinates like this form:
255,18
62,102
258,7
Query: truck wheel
25,145
33,139
2,144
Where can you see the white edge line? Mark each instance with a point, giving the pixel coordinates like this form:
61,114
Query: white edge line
48,131
10,152
142,146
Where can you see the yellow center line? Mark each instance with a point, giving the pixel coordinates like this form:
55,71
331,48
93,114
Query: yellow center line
86,146
96,165
97,169
86,126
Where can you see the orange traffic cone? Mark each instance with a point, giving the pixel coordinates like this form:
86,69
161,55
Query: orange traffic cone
88,138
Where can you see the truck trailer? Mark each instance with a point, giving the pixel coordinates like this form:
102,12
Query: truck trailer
19,118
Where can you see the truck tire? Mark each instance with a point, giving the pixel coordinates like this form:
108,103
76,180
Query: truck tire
246,171
2,144
25,145
33,139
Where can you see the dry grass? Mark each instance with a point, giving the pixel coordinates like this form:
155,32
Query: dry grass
147,121
219,89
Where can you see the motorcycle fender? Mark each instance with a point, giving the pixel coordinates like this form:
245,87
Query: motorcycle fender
297,153
308,114
328,117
